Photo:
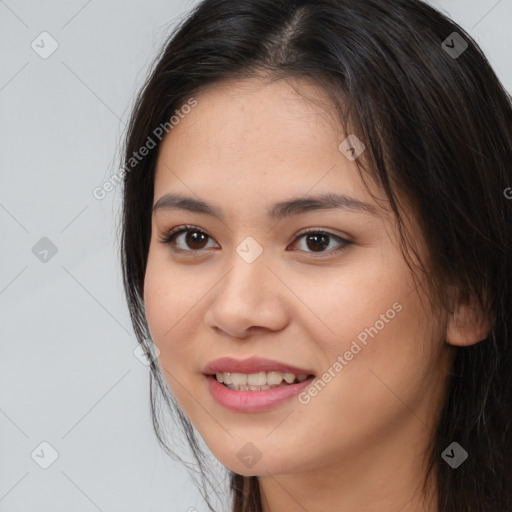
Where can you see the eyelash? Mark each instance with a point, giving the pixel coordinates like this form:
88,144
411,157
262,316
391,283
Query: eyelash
169,238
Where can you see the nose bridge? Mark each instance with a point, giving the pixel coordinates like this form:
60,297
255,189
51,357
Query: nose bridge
249,294
247,280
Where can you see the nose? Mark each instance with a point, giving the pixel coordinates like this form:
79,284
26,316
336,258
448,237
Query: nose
250,297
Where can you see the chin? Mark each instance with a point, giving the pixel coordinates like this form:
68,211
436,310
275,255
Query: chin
262,467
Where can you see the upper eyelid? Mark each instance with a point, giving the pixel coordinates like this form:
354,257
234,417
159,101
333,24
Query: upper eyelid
184,228
179,230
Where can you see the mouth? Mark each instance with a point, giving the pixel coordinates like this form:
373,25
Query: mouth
260,381
255,373
254,384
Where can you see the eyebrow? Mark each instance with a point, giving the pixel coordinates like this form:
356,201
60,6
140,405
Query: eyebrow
277,211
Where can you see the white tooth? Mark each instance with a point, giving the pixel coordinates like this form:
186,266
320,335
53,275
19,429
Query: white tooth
239,379
274,378
289,377
257,379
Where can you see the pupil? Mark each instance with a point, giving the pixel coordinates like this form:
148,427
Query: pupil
193,237
322,245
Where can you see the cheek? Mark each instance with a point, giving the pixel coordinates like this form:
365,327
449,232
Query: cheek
362,303
386,340
388,361
155,300
162,307
171,302
163,312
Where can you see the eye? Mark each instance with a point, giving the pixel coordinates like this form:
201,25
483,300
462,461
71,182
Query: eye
195,238
316,239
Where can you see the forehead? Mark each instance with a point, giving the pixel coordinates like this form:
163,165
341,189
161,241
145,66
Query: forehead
252,140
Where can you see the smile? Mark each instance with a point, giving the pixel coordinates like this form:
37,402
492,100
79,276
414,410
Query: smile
260,381
254,384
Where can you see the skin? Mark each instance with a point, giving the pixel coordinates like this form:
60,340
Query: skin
359,442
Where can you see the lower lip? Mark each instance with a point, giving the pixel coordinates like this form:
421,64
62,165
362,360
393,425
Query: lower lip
253,401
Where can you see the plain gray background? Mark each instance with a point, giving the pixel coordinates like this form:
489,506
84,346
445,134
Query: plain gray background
68,373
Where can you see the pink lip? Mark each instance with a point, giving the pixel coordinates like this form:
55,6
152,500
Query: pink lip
251,365
253,401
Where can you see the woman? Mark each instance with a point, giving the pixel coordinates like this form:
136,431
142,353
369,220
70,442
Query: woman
316,238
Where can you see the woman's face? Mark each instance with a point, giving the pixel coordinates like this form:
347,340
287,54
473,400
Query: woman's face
247,284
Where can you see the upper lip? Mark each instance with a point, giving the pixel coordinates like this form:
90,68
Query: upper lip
251,365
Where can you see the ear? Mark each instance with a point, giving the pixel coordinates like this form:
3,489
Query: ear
467,325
